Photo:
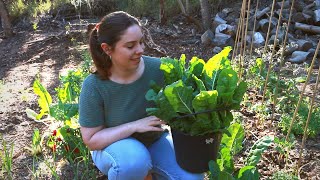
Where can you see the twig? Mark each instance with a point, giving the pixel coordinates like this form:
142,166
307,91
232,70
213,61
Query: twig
311,162
151,44
46,38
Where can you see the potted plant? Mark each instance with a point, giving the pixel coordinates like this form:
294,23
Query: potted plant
196,101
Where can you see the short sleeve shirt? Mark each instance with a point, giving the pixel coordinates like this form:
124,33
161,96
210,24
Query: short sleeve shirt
105,102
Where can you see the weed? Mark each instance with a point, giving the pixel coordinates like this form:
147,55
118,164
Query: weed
298,127
36,146
281,175
6,159
35,26
284,147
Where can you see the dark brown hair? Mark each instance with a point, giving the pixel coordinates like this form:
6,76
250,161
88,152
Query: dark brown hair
109,30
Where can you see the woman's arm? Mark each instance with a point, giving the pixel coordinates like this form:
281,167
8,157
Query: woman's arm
97,138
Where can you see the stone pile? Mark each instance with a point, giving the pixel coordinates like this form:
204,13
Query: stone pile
303,34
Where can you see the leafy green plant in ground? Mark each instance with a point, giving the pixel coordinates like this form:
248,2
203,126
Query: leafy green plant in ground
282,175
36,147
64,137
223,168
298,127
256,75
6,155
284,147
33,8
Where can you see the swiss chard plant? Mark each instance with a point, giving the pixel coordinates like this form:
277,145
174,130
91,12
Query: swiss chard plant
197,97
224,167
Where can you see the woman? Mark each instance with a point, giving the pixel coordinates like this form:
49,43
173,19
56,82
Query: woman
125,143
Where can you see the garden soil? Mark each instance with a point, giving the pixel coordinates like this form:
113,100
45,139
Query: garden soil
50,51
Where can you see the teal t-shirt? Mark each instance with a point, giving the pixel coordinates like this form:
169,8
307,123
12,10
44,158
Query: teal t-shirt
104,102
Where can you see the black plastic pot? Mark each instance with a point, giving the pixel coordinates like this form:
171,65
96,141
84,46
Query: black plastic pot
193,153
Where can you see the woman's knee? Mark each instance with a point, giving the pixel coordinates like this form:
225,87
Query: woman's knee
126,159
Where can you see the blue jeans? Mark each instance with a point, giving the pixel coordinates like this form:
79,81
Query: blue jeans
129,159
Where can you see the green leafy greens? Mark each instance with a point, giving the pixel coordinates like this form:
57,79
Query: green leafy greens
198,96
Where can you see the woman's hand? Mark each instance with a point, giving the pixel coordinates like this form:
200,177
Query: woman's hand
150,123
95,137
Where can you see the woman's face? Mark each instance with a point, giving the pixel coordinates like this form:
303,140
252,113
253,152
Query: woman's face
126,54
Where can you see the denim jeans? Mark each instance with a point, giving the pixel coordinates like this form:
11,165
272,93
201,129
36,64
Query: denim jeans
129,159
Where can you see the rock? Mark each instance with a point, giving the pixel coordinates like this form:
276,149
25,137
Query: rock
216,50
221,39
264,25
219,20
298,17
286,5
304,45
299,5
309,19
225,29
249,38
222,14
290,48
317,2
285,14
317,16
227,10
272,39
313,51
299,57
262,12
207,37
258,39
280,37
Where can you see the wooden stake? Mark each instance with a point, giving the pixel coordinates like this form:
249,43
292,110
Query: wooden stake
270,61
282,54
242,39
269,28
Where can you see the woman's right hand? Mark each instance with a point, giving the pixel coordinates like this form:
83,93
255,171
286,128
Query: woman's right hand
150,123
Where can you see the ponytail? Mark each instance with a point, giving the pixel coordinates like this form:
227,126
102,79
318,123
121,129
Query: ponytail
101,60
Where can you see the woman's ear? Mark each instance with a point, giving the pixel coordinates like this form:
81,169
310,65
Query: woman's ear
106,48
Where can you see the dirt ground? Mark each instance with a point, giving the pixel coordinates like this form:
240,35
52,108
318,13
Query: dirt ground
48,52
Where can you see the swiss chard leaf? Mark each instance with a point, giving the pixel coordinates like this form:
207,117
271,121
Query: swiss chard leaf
44,100
248,173
206,122
226,117
226,85
234,143
238,95
196,66
163,108
173,69
214,66
180,97
227,81
257,149
225,161
214,170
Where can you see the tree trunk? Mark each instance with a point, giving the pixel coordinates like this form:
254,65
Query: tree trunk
183,10
163,17
187,7
189,18
6,24
205,13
